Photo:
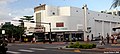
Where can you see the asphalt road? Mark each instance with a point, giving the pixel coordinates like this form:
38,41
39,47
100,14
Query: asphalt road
36,49
49,49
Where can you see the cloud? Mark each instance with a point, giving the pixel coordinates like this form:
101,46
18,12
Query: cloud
22,12
4,13
4,10
7,14
6,1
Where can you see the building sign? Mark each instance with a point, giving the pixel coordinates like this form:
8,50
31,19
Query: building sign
3,31
59,28
60,24
39,29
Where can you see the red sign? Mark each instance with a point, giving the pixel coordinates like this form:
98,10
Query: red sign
61,24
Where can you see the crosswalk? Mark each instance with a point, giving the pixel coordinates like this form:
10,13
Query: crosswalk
30,50
13,52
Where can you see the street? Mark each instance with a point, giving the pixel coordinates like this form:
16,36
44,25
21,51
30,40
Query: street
40,48
36,49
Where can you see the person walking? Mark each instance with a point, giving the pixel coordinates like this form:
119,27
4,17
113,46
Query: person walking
102,40
112,39
115,39
88,38
34,40
108,38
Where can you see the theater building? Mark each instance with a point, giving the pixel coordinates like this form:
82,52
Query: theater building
73,23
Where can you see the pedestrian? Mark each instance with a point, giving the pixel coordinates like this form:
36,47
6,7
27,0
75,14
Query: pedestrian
102,40
88,38
112,39
115,39
34,40
108,38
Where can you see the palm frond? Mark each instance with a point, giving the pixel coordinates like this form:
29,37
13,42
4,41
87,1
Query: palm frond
116,3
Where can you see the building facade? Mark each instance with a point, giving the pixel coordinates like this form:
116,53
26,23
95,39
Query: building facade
72,23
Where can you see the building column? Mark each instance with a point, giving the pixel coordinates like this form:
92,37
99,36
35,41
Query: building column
103,28
94,29
110,29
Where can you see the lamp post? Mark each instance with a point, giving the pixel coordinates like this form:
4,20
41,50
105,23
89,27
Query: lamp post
50,30
85,21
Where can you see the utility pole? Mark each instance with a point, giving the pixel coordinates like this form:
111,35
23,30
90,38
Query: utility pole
85,22
50,30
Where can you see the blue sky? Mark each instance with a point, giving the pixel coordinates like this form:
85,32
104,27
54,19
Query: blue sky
10,9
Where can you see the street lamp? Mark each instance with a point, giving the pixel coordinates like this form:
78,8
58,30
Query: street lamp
44,23
3,32
50,30
85,21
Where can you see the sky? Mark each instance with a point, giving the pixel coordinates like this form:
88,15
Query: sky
10,9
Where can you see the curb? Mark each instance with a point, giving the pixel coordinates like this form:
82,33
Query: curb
69,49
102,50
38,43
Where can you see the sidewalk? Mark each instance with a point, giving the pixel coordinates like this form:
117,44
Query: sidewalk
38,43
103,50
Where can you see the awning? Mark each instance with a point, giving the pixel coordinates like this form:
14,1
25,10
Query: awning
116,28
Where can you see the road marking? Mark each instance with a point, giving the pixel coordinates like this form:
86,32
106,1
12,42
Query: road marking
10,44
37,49
13,52
25,50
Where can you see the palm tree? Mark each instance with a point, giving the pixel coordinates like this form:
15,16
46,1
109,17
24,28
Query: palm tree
116,3
28,18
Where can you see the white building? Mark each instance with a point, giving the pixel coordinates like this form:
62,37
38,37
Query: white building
71,22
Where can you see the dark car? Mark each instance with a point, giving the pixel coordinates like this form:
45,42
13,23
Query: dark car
3,48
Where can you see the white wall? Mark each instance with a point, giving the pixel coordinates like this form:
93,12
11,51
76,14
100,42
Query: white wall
72,17
67,20
74,11
28,24
50,10
64,11
98,27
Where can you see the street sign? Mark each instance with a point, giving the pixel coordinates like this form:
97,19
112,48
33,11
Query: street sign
3,31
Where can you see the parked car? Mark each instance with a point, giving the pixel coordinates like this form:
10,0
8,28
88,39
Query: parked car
3,47
96,38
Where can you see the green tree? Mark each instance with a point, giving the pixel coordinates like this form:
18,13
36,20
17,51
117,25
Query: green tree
11,30
116,3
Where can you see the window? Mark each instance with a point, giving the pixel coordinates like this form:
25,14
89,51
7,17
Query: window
98,14
88,13
53,13
60,24
119,13
106,16
76,10
109,13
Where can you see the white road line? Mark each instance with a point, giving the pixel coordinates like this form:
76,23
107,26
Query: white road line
37,49
13,52
25,50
